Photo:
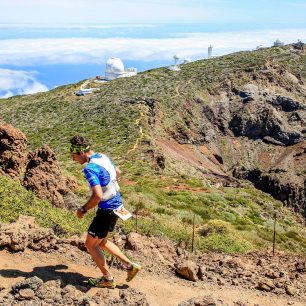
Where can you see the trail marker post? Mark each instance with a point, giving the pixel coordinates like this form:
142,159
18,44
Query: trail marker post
193,225
274,233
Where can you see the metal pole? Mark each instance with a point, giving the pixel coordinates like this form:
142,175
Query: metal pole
192,242
274,233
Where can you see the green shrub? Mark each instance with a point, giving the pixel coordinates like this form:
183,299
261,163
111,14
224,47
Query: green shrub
16,201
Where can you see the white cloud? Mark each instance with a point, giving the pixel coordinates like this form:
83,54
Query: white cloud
27,52
19,82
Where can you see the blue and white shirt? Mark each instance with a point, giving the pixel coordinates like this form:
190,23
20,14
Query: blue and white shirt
101,171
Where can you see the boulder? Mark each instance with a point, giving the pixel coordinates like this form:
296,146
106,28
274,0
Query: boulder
188,270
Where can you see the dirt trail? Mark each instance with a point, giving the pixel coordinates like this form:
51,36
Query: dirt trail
140,132
74,267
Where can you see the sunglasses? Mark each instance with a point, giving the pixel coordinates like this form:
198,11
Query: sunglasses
77,149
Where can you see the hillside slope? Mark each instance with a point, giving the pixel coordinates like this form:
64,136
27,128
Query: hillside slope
187,141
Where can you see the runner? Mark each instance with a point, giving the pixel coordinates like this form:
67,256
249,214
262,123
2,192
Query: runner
101,175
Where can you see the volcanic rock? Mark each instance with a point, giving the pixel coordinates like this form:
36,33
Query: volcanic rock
43,176
26,233
13,144
187,269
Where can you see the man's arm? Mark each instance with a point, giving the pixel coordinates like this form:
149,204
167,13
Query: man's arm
92,202
118,173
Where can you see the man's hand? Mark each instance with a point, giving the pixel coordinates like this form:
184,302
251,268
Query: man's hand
80,212
94,200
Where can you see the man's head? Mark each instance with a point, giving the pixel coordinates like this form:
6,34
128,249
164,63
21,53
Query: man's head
79,149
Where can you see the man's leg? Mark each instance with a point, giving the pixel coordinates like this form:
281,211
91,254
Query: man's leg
111,248
92,245
132,267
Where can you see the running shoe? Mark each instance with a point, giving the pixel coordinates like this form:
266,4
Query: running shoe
131,272
102,282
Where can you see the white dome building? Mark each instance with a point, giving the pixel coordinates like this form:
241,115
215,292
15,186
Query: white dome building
115,69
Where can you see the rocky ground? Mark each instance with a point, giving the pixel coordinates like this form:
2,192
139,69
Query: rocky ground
38,268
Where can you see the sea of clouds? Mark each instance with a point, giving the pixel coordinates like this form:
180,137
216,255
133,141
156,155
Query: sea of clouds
22,52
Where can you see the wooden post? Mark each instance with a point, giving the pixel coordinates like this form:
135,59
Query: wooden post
136,216
274,233
192,241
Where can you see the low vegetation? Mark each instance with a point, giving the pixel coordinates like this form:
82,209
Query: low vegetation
225,219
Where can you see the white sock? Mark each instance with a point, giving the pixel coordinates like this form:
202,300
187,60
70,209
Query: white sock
108,277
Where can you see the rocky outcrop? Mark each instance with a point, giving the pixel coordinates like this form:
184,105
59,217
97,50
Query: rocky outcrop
291,193
13,144
261,115
43,176
26,233
42,170
253,124
272,121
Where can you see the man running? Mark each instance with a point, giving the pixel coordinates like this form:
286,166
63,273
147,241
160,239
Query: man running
101,175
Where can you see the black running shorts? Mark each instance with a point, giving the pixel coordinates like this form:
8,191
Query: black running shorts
104,222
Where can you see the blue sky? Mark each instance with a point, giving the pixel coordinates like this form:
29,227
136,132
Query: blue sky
46,43
153,11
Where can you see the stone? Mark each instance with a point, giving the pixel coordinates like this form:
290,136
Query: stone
188,270
265,285
32,283
290,290
201,273
50,290
70,292
220,281
280,283
199,301
27,294
272,274
131,297
300,266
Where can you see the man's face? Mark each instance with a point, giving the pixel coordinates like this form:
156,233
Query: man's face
79,158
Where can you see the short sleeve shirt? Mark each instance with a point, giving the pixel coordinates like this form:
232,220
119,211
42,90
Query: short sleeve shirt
101,174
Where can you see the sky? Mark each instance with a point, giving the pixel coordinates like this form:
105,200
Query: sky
46,43
152,11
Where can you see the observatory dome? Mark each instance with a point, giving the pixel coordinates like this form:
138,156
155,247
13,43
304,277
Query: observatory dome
114,65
